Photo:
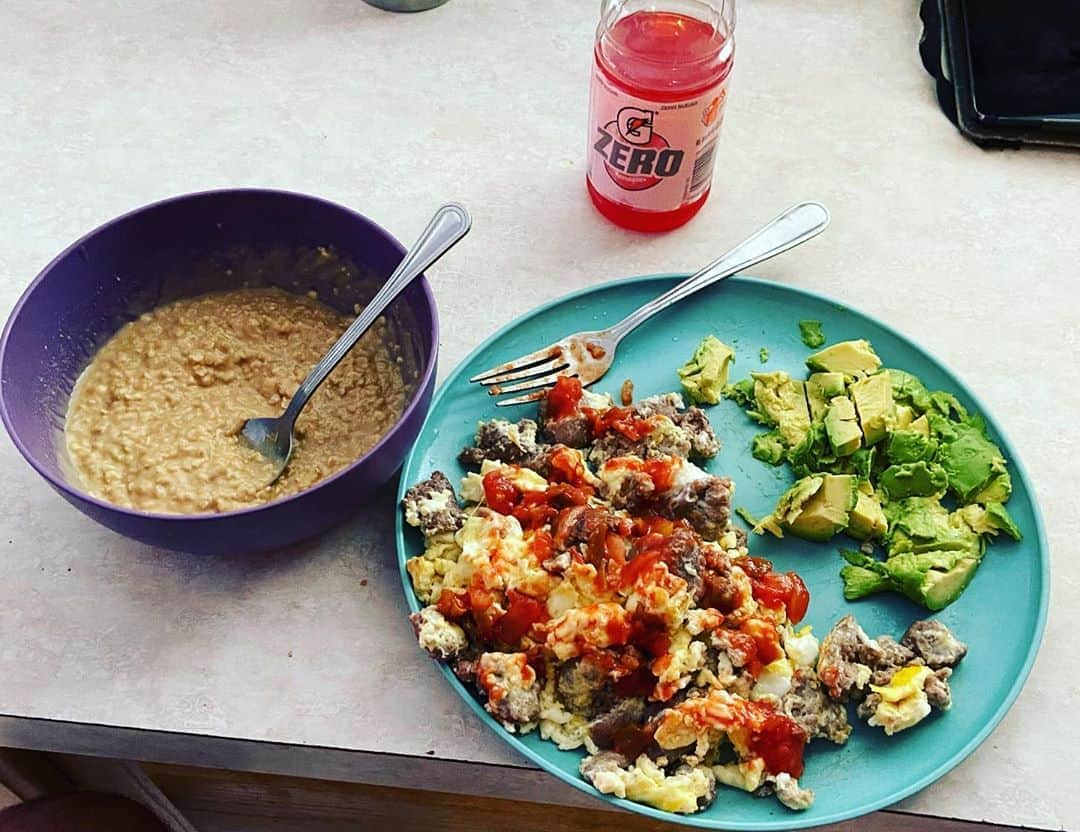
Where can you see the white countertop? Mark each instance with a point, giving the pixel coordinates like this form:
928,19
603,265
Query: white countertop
288,662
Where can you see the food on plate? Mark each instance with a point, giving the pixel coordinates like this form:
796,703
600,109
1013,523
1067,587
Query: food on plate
896,684
812,333
763,355
593,589
154,420
816,508
874,453
703,377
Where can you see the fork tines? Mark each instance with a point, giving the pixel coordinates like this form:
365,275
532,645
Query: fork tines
539,369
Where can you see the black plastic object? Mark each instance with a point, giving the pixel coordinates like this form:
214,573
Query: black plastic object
1007,74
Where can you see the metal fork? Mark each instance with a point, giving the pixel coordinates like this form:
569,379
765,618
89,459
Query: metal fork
588,355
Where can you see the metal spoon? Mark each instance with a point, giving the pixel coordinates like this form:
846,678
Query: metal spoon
273,436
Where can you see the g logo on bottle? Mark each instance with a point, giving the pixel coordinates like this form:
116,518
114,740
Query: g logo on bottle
636,157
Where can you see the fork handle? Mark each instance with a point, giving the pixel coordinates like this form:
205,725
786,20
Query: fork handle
796,225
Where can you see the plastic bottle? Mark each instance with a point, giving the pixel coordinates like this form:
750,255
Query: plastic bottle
656,101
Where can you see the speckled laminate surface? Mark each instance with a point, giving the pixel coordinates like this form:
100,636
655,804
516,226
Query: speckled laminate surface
106,106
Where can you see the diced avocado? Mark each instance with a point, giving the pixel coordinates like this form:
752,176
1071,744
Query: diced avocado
830,384
741,392
814,455
867,520
852,358
988,520
1000,518
913,479
921,425
820,387
860,582
863,575
811,333
705,375
768,448
874,402
917,516
862,462
782,400
817,402
909,446
922,524
907,389
819,509
842,427
905,415
947,404
933,579
789,505
998,490
971,461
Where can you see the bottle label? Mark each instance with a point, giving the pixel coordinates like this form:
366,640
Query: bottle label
651,155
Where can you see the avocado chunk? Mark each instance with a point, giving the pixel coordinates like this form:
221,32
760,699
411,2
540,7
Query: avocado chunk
814,455
913,479
907,389
867,520
860,582
933,579
999,518
851,358
742,393
909,446
768,448
815,508
922,524
998,490
989,520
948,405
921,425
820,387
842,427
874,402
789,505
863,575
812,333
862,463
704,376
971,461
905,415
782,400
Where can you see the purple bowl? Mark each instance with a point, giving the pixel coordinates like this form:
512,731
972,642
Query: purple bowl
181,247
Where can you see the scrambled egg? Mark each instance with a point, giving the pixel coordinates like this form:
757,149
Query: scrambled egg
678,665
567,730
645,782
588,613
595,626
801,646
472,484
774,681
439,636
429,569
748,775
903,701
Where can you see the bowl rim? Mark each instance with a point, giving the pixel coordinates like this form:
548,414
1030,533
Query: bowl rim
78,493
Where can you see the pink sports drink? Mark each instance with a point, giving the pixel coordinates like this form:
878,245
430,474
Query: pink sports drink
659,85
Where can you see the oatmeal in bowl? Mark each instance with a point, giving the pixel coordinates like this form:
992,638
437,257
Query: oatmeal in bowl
188,316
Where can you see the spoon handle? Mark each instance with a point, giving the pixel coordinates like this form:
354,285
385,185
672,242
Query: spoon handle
450,223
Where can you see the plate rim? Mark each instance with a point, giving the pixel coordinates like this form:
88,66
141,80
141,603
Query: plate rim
796,820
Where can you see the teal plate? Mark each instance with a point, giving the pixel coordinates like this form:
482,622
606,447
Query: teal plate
1000,616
